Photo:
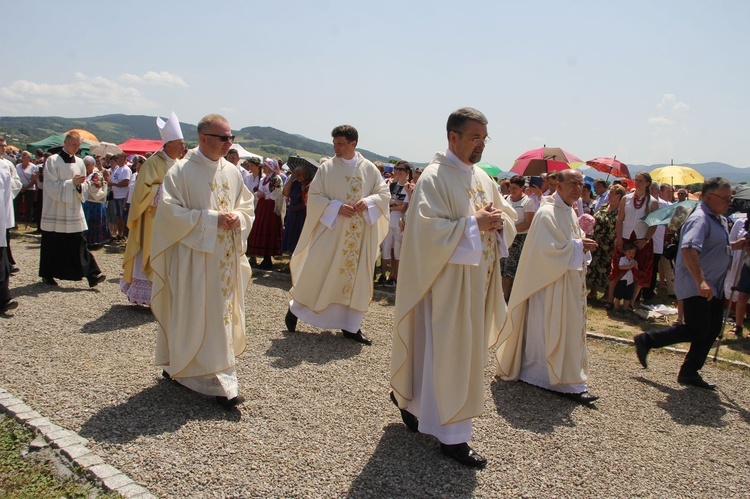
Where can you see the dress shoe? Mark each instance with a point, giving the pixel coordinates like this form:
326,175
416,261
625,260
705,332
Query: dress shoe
409,419
166,375
695,380
50,281
641,349
227,403
93,281
291,321
14,270
464,455
358,336
8,305
581,398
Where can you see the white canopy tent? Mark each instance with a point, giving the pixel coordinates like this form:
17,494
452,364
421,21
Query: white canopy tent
244,153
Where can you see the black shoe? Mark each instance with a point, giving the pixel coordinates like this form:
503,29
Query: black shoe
381,280
581,398
695,380
641,349
93,281
358,336
8,305
166,375
49,281
390,283
266,264
464,455
291,321
409,419
227,403
14,270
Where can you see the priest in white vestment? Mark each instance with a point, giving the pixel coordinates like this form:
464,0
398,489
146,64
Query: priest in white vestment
449,300
543,341
136,262
10,186
200,272
347,219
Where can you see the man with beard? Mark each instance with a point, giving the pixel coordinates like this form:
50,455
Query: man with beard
64,253
450,306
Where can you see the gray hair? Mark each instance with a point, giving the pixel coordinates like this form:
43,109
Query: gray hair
457,120
209,120
714,184
89,160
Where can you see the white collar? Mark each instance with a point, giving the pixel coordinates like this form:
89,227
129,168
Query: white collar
464,167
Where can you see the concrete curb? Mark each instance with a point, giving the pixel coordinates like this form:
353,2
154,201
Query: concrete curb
72,448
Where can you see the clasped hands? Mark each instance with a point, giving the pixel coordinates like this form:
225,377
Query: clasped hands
349,211
489,218
229,221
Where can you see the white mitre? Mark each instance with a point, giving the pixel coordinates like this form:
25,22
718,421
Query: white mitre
169,130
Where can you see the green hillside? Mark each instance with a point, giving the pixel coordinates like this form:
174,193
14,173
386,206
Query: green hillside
118,128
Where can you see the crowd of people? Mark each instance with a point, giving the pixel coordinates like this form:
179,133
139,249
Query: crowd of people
478,265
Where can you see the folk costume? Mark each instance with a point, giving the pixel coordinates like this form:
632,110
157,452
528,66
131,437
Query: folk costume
135,282
543,341
332,264
449,304
200,274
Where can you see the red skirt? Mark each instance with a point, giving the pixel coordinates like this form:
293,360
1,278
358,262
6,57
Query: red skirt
645,259
265,236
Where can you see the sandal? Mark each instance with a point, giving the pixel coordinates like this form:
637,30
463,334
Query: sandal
737,330
608,305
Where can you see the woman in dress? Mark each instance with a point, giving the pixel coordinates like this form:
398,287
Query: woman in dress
295,190
93,208
597,275
525,209
265,235
629,226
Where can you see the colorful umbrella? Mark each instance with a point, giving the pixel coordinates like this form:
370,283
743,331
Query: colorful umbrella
492,170
610,166
676,175
545,159
85,134
662,216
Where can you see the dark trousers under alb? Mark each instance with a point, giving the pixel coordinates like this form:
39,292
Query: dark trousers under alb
703,319
66,256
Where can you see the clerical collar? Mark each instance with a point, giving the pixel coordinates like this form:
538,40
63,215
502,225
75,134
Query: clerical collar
464,167
351,162
205,158
166,157
558,198
67,158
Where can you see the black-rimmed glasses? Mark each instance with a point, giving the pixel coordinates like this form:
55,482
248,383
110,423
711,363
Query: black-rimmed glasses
222,138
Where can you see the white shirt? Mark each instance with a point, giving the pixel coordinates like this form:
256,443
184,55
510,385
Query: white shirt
119,174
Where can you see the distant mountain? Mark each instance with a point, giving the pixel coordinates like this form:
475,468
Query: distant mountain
118,128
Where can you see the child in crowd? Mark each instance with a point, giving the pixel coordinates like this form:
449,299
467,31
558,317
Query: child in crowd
625,286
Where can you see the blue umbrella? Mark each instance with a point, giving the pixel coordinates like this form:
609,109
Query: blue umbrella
662,216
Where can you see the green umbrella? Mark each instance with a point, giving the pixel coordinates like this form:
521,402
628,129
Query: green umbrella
662,216
492,170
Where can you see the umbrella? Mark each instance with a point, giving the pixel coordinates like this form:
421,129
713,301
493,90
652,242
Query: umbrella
545,159
103,148
85,134
610,166
676,175
308,164
662,216
741,197
492,170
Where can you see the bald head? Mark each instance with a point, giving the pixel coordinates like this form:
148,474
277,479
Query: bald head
569,186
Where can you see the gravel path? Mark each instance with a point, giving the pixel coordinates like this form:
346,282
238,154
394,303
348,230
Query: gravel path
317,421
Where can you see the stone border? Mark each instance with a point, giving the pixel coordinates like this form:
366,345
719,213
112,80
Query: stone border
73,449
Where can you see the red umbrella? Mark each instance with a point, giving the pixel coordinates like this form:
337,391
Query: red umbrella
610,166
545,159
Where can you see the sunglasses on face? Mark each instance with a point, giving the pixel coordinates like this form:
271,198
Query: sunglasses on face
223,138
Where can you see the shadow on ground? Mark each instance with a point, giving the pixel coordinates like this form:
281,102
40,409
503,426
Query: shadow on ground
119,317
406,464
162,408
314,347
690,406
530,408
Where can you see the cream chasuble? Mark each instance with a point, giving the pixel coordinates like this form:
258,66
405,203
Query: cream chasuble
142,214
463,303
200,274
551,274
333,263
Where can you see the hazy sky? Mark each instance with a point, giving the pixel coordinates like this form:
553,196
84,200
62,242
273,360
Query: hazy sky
648,81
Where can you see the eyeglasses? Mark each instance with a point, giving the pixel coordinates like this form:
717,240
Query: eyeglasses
728,200
478,141
223,138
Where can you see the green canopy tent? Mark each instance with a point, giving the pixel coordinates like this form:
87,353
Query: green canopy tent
54,140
